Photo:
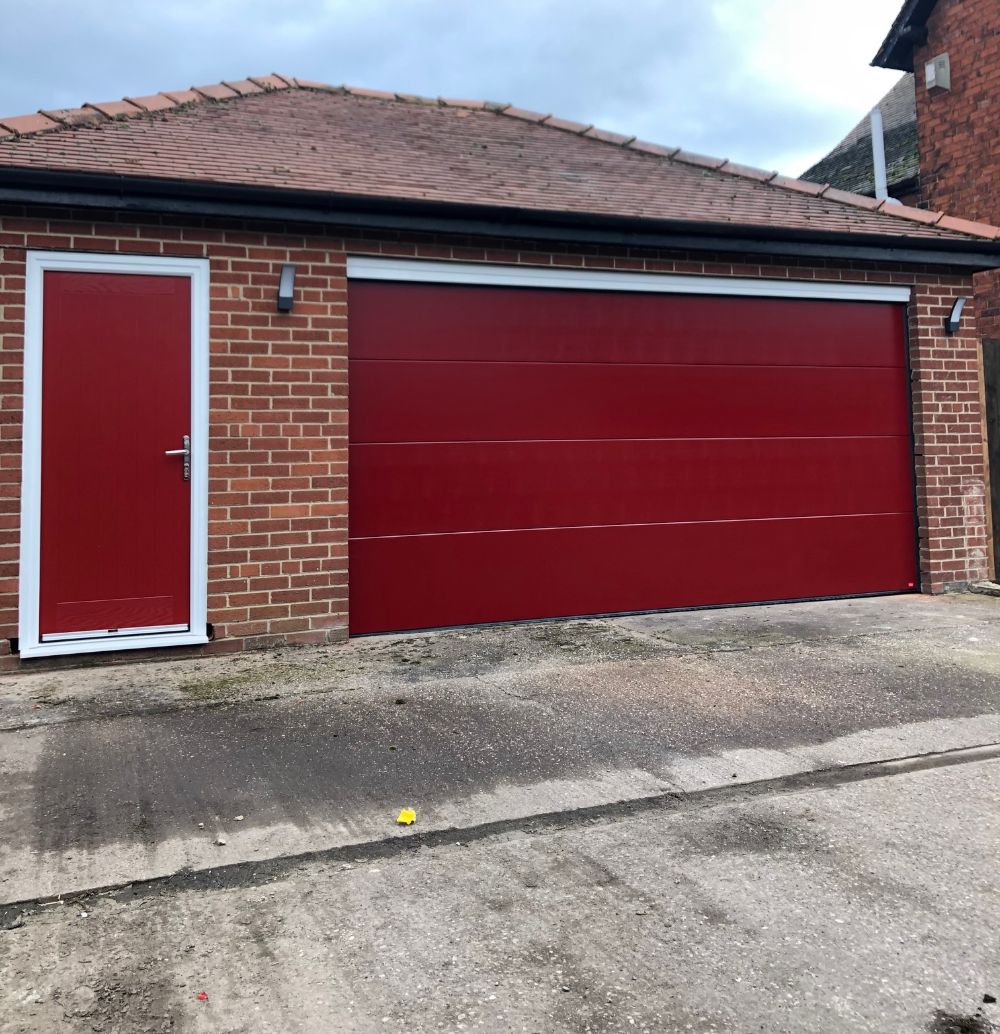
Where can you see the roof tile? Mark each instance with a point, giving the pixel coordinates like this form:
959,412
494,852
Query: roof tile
802,186
362,91
567,124
452,102
608,137
704,160
748,171
153,102
845,196
270,82
114,109
308,84
524,114
950,222
215,91
244,87
647,148
920,215
22,124
413,98
76,116
183,96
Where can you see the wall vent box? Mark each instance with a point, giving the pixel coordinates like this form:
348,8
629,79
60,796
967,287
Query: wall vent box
937,72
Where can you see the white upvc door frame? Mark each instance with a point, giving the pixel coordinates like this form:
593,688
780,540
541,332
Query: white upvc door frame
196,270
429,271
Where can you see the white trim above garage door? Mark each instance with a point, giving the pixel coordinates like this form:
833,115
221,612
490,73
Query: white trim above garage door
361,267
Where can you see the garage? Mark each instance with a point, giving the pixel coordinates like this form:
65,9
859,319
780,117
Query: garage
531,444
431,362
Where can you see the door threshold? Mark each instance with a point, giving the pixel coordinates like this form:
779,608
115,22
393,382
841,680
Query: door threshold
106,644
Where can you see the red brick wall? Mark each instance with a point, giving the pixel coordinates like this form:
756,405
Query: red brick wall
948,443
958,129
278,450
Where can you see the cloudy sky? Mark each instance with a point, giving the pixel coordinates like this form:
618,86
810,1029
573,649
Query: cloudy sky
769,82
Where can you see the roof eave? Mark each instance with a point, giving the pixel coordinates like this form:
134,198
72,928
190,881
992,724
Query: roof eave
140,195
909,30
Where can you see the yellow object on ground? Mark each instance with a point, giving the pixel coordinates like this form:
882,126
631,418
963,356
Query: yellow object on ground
406,817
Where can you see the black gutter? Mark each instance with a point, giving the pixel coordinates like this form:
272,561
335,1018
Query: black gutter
153,196
909,30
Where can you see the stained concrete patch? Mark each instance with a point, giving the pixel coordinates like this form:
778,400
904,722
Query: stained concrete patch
492,653
746,833
393,661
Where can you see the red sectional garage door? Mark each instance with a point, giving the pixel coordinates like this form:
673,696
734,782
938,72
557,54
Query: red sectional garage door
526,453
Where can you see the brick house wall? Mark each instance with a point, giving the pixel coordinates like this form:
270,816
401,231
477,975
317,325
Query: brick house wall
957,129
278,486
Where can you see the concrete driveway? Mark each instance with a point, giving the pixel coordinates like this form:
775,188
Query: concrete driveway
656,755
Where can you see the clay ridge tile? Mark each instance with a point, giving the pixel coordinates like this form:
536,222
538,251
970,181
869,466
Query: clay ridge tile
950,222
522,113
703,160
647,148
76,116
244,87
21,125
309,84
361,91
847,198
801,186
567,124
153,102
453,102
184,96
115,109
748,172
271,82
607,136
215,92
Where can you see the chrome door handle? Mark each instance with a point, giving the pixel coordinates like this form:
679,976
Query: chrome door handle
186,453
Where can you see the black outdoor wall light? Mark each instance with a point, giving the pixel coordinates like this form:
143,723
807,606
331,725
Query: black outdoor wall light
286,289
955,316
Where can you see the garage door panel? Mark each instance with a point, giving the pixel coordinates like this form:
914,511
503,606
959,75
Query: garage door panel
437,580
501,401
430,322
406,489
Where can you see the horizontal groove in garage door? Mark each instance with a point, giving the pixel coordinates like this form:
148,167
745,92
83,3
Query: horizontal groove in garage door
468,486
595,362
641,524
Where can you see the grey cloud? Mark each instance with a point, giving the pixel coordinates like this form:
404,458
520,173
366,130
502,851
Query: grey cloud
656,68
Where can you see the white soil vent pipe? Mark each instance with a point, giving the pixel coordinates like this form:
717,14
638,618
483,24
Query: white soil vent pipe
878,157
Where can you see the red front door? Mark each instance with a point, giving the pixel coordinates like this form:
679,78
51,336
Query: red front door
115,509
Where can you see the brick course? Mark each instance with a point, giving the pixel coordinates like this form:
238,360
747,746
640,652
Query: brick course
278,492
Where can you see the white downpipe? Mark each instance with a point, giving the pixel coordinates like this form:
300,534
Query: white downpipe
878,156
